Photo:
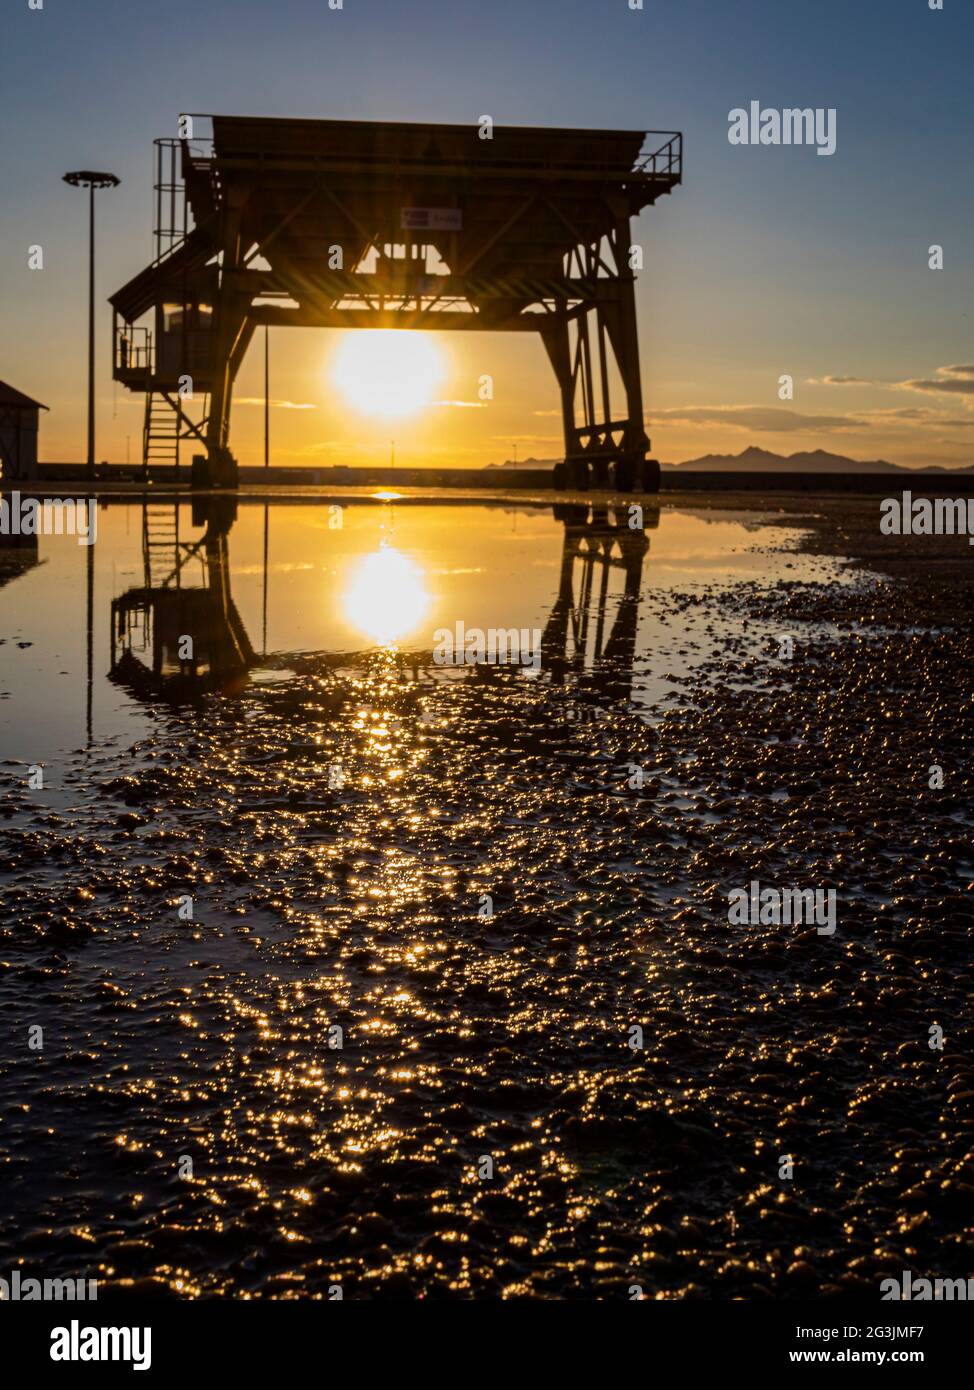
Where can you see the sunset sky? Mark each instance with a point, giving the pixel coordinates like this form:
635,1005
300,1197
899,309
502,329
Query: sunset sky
767,261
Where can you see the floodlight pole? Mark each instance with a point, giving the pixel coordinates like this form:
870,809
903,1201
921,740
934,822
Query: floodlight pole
87,178
91,330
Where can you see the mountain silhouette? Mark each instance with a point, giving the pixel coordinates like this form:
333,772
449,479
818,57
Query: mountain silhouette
755,460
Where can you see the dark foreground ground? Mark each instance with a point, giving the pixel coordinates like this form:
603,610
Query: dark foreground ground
465,1038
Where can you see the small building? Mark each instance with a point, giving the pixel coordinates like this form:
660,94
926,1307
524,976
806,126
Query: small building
19,416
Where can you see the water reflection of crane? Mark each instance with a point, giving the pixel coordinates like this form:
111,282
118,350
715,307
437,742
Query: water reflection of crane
577,648
588,644
587,647
172,637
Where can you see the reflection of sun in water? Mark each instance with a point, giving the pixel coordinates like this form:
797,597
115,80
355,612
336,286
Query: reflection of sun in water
387,371
386,598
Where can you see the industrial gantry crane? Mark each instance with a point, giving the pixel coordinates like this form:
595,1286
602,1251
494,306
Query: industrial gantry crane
354,224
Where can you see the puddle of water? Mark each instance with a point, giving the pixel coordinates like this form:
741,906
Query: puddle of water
308,577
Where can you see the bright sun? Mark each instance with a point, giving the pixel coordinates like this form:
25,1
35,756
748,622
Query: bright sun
387,371
386,598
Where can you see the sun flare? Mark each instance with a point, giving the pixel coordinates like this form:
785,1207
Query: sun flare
387,372
387,597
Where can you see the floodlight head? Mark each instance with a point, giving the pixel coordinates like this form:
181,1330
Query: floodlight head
90,178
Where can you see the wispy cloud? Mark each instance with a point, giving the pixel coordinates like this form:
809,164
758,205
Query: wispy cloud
919,415
843,381
759,419
529,438
763,419
909,414
462,405
951,381
275,405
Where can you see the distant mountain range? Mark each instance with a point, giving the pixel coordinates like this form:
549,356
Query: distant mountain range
755,460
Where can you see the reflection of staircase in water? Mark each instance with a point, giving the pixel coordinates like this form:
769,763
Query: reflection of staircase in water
160,544
174,639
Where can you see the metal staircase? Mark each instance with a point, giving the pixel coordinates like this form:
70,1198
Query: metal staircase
160,434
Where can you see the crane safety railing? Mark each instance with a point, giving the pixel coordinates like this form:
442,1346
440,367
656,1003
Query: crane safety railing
664,162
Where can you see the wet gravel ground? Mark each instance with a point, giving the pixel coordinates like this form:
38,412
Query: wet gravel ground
467,1037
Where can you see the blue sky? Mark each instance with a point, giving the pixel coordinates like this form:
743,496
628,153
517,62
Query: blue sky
767,261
